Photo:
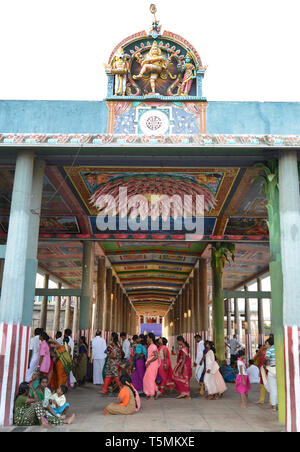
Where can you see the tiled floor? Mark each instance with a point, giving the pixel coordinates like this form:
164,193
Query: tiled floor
169,415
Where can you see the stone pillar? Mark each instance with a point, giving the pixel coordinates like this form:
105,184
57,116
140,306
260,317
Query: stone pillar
68,314
192,306
86,287
101,295
237,319
119,308
114,303
203,298
196,313
75,325
228,314
19,276
124,301
189,307
248,338
44,305
260,315
289,201
181,313
108,299
184,302
57,309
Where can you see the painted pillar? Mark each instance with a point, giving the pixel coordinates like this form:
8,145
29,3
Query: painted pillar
203,298
108,299
237,319
218,304
57,308
86,287
101,295
44,305
289,202
260,316
14,327
248,337
33,239
68,314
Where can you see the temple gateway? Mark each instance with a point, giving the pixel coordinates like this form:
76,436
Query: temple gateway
154,209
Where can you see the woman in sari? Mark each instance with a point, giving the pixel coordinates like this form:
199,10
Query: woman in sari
213,380
129,400
63,365
152,365
165,369
138,364
29,411
182,373
111,370
259,360
80,371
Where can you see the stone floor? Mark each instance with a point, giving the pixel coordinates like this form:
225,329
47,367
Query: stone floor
168,414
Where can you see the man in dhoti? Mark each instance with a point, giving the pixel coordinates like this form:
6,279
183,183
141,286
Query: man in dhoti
68,333
200,363
99,356
34,349
270,380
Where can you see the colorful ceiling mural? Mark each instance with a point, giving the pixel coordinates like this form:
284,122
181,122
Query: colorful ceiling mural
152,266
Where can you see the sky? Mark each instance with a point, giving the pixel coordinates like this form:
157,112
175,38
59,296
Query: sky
55,49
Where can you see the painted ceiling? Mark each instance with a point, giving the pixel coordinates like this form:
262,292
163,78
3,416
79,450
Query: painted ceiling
152,266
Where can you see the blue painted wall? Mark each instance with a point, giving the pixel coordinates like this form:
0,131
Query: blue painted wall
92,117
259,118
25,116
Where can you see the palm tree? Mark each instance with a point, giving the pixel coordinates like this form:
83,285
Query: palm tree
221,252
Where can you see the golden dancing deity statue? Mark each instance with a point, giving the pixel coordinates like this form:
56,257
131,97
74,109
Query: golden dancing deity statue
154,65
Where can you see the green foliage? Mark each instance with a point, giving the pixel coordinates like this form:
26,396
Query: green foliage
222,252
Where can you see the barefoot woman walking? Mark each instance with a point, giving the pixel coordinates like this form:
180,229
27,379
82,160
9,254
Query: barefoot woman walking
182,373
152,365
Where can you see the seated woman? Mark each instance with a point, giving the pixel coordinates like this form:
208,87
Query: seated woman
227,373
30,411
129,399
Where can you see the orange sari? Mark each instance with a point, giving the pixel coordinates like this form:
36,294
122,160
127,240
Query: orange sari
59,376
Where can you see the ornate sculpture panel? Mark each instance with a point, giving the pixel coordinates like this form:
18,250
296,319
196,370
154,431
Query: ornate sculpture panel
155,65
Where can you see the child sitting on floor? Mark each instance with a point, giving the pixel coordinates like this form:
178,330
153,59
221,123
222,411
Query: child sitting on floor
58,402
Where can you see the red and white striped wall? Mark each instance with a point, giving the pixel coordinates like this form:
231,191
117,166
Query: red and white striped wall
292,377
14,352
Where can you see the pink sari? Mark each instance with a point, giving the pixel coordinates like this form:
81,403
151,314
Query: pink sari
149,385
182,379
165,375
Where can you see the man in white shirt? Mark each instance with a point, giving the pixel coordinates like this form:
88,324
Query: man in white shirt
125,346
68,333
199,367
253,373
234,346
98,350
34,349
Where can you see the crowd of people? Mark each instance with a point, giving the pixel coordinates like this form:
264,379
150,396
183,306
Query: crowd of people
140,366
